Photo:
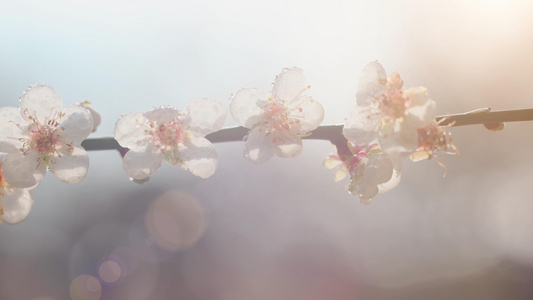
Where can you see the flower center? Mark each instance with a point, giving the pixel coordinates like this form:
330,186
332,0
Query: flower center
393,103
276,117
393,108
44,138
433,137
168,134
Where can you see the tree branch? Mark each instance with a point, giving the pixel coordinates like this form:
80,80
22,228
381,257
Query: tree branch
333,133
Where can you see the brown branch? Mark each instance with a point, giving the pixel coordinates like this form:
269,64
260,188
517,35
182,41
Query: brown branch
333,133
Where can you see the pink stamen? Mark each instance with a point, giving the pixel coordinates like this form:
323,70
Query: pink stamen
44,138
169,134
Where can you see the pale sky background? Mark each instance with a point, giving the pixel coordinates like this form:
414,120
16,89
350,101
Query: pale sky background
283,230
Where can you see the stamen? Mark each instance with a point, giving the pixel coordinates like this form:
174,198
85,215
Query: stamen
168,134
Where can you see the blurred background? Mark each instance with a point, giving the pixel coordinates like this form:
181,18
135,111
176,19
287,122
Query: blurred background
285,229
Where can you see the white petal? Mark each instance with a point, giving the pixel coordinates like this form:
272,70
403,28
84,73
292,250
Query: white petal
131,132
372,83
199,157
422,110
258,149
23,171
331,161
362,126
340,173
246,106
10,132
286,144
16,204
398,139
163,114
97,118
70,165
289,84
309,112
77,124
378,169
40,101
206,116
140,165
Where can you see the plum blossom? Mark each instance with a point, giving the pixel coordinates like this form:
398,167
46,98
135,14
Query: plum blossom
15,203
41,135
387,112
370,170
166,133
279,120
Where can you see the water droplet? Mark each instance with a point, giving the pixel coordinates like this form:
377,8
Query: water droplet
139,181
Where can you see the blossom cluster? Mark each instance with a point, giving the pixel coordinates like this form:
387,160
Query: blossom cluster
387,123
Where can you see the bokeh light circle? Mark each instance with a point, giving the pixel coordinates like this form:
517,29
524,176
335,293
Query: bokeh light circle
85,287
175,221
109,271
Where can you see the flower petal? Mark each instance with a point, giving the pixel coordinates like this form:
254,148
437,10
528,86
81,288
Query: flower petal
140,165
340,173
289,84
77,124
362,126
11,129
206,116
23,171
16,205
163,114
398,139
97,119
70,165
309,112
422,110
199,157
372,83
286,144
131,132
40,101
246,106
258,149
331,161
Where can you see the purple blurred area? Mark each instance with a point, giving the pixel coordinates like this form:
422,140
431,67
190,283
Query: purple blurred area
285,229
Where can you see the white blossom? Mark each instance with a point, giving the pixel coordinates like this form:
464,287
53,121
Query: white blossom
370,170
41,135
178,137
387,112
279,120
